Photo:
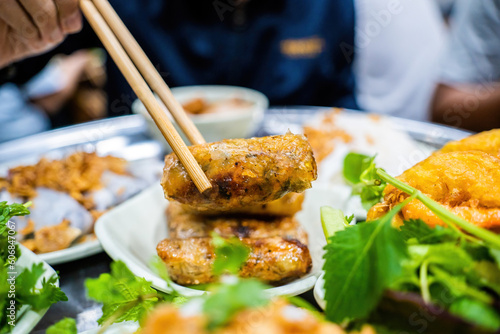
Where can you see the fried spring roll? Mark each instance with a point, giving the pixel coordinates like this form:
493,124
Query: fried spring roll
273,260
183,225
287,205
243,172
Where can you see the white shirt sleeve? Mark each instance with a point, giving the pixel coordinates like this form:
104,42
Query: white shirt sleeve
473,52
398,44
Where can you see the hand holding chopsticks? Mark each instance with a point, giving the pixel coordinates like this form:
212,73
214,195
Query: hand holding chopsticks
106,24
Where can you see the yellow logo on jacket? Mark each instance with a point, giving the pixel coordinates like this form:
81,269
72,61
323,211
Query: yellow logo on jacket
308,47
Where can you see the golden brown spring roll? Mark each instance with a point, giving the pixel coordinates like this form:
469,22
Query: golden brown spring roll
287,205
243,172
183,225
273,260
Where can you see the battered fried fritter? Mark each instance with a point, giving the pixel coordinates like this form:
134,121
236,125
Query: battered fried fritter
273,260
183,225
467,183
487,142
287,205
243,172
279,317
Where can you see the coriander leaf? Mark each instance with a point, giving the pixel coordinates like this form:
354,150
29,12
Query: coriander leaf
477,313
424,234
361,172
124,296
354,165
65,326
360,263
39,298
229,299
160,268
230,254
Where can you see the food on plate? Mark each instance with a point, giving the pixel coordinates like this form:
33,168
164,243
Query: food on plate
184,225
199,106
68,196
287,205
446,267
277,317
323,136
488,142
243,172
274,260
466,183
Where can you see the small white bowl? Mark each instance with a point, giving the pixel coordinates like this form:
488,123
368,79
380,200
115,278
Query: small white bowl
215,126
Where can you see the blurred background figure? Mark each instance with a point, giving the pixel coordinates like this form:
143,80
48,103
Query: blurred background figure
374,55
468,95
68,90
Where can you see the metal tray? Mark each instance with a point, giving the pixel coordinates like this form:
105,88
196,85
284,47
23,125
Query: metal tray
278,120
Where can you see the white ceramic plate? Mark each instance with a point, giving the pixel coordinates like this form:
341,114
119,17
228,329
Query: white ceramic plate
131,231
76,252
127,327
29,318
319,292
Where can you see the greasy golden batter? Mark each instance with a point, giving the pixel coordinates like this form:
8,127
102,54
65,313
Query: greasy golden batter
488,142
243,172
467,183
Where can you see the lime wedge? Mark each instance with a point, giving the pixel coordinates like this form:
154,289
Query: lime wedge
332,220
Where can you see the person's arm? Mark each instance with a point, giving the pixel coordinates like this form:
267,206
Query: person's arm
468,95
473,107
30,27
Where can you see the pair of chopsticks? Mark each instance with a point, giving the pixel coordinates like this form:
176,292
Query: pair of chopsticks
139,72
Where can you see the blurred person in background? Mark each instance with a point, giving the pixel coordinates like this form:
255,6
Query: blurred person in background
468,95
374,55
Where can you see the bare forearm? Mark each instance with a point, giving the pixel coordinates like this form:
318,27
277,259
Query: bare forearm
474,107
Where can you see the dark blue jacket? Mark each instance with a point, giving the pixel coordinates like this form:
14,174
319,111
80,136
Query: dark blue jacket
292,51
297,52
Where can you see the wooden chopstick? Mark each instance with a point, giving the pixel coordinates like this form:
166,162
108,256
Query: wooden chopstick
148,71
144,93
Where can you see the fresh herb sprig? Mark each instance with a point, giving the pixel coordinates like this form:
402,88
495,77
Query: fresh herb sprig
28,292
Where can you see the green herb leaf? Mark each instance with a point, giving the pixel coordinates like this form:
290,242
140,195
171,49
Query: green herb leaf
360,263
39,298
477,313
361,172
229,299
124,296
424,234
65,326
230,254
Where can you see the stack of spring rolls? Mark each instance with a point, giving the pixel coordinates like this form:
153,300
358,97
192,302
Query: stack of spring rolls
256,192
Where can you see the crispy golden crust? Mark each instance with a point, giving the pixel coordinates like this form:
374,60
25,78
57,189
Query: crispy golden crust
273,260
243,172
287,205
279,317
487,142
183,225
467,183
